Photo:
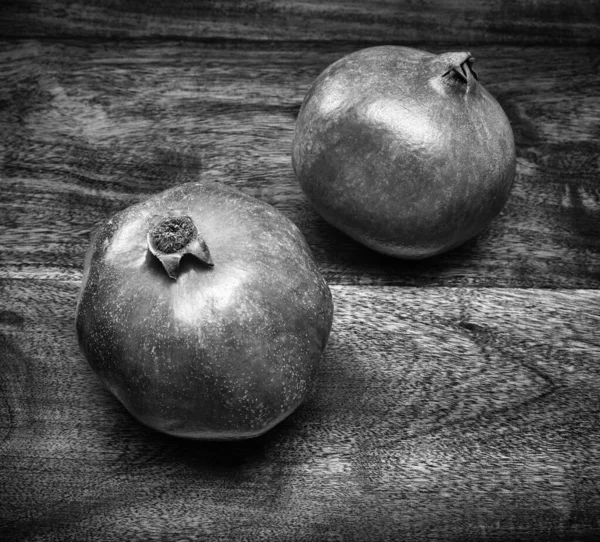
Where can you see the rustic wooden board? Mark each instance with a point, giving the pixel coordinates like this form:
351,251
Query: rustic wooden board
449,21
458,398
87,128
439,414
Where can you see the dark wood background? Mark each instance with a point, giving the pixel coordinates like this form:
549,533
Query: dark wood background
459,397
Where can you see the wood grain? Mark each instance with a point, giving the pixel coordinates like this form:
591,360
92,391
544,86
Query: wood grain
88,128
439,414
552,22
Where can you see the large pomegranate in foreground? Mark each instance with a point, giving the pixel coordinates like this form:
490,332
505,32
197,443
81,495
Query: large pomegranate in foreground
404,150
203,311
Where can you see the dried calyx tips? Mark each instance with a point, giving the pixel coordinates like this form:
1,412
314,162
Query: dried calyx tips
172,234
173,237
460,66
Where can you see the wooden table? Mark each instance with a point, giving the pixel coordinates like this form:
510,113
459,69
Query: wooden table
459,397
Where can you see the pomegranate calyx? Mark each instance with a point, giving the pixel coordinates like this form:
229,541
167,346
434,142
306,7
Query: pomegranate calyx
172,237
456,70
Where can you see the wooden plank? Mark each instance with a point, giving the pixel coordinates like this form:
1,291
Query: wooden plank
87,128
435,21
438,414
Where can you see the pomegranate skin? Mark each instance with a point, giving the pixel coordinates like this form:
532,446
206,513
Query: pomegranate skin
404,150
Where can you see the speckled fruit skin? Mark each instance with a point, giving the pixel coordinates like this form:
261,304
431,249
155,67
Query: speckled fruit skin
223,352
404,150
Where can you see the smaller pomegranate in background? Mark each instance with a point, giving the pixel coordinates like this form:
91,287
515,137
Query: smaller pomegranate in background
202,310
404,150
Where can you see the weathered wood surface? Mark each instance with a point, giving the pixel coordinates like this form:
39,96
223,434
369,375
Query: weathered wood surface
89,128
459,398
572,22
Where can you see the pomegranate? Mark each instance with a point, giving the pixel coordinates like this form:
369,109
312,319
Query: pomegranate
203,312
404,150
